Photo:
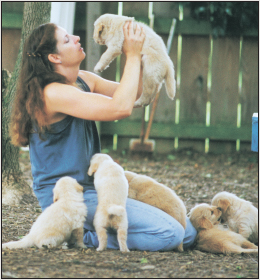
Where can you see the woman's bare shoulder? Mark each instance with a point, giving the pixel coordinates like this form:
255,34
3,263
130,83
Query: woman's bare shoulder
90,78
54,88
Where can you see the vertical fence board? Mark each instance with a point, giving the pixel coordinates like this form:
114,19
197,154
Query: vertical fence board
166,9
224,90
93,10
194,69
109,7
134,9
250,97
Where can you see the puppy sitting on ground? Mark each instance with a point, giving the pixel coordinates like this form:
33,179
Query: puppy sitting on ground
61,221
214,239
240,215
112,190
149,191
157,65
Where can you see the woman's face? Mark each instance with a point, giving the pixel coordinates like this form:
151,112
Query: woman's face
69,48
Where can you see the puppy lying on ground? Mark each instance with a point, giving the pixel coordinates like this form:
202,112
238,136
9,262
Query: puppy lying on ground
157,65
147,190
61,221
212,238
240,215
112,190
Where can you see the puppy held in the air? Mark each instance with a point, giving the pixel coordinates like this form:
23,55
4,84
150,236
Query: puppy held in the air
61,221
157,65
212,237
240,215
112,189
149,191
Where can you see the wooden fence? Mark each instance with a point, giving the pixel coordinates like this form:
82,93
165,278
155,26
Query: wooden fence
217,87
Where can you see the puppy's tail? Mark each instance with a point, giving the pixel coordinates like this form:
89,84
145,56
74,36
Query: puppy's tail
26,242
116,210
170,83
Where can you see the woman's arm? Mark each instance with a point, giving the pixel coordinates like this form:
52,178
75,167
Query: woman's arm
100,85
68,100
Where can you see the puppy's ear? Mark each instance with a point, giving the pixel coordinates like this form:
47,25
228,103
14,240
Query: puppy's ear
100,29
205,223
129,176
79,188
55,197
223,204
93,168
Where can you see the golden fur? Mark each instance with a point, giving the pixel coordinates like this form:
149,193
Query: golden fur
112,190
240,215
147,190
61,221
157,65
212,237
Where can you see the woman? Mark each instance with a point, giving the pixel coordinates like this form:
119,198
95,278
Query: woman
54,112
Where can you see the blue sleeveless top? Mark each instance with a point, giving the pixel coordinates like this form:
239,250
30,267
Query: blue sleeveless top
64,150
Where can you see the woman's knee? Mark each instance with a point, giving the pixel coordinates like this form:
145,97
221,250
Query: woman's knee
153,230
190,235
173,238
44,196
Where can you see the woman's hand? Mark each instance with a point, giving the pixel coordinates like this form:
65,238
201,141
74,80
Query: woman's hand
134,40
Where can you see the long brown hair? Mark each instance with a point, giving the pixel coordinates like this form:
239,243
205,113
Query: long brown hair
36,72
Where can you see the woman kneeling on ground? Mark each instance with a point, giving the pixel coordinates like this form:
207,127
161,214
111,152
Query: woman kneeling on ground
55,110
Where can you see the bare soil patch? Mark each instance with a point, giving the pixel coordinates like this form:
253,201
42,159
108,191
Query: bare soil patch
195,177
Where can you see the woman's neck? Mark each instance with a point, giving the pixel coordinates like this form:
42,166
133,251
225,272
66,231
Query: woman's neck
71,73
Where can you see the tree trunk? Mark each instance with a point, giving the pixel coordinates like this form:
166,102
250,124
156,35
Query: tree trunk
13,185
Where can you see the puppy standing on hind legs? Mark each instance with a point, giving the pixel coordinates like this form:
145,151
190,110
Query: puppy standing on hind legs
112,190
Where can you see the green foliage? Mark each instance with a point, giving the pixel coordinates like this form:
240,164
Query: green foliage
171,157
144,260
233,18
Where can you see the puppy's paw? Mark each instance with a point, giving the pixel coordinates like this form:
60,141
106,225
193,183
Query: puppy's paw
81,245
180,247
125,250
142,101
99,249
99,68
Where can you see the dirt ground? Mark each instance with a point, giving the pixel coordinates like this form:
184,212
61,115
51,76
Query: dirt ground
196,178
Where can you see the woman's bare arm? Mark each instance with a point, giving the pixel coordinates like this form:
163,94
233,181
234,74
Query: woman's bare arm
100,85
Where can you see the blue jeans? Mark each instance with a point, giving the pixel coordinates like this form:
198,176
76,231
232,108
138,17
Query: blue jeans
149,228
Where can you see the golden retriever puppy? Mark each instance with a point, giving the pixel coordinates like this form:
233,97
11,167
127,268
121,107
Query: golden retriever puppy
157,65
112,189
212,237
61,222
149,191
240,215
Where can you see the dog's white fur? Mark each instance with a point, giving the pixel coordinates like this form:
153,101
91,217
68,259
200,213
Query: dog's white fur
148,190
112,191
240,215
212,237
157,65
61,222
